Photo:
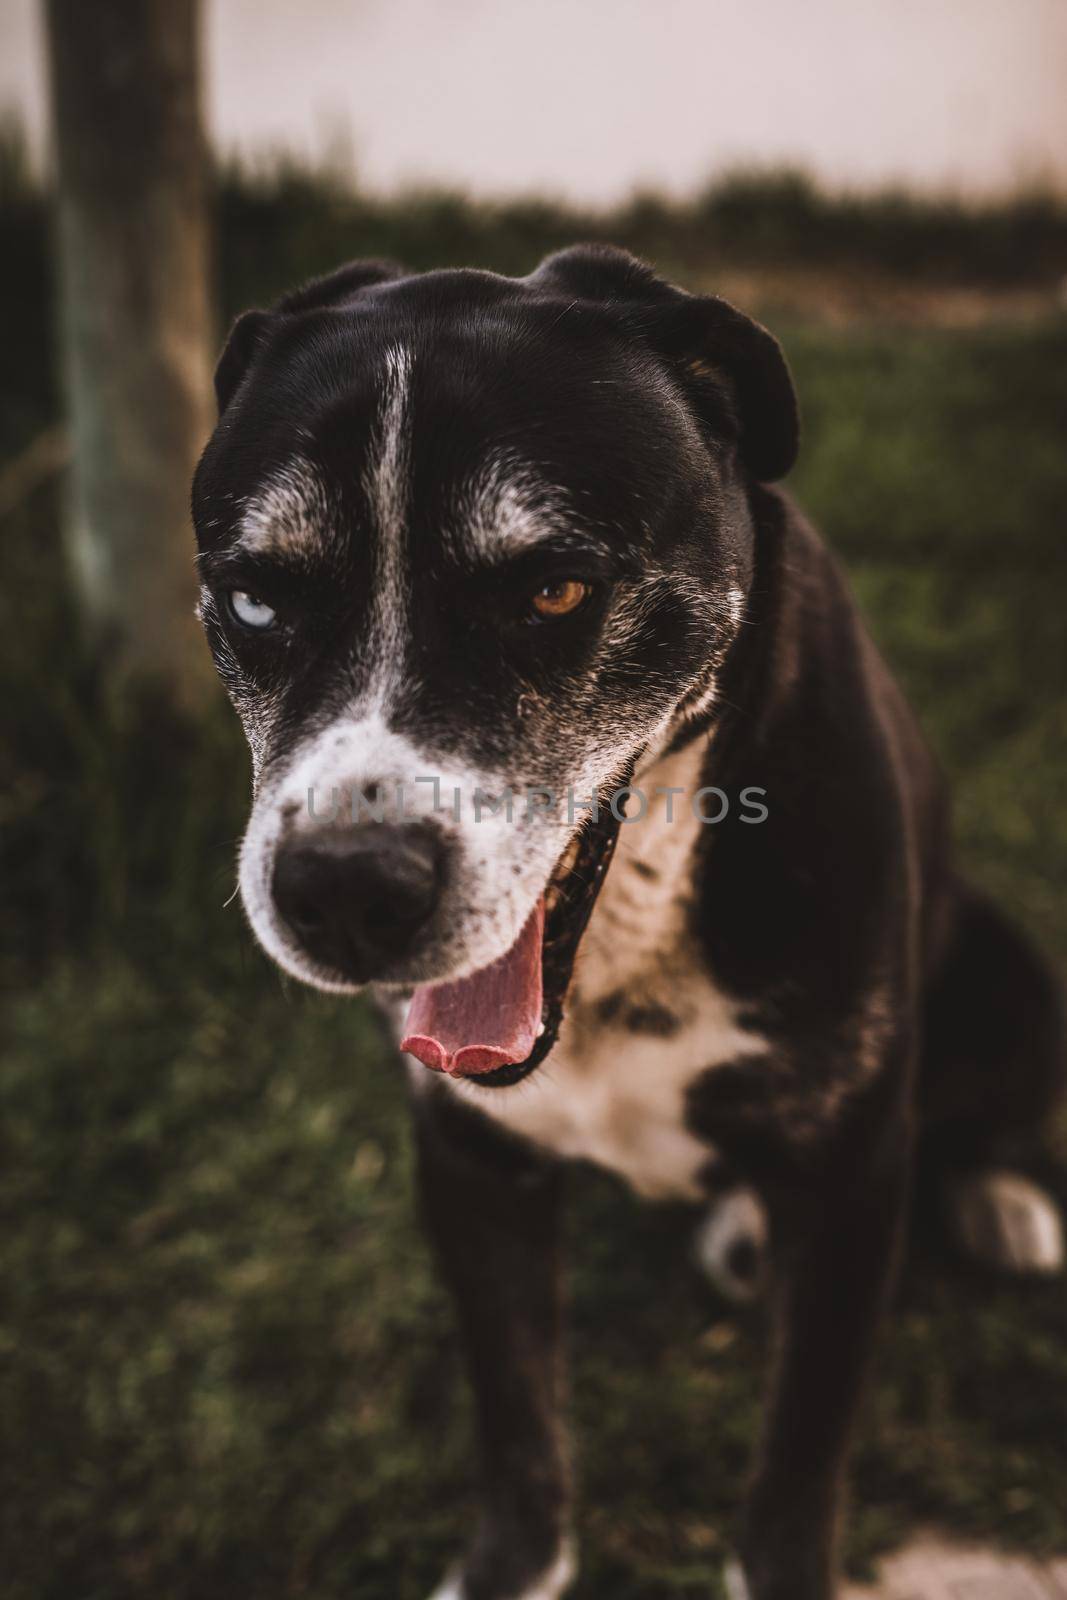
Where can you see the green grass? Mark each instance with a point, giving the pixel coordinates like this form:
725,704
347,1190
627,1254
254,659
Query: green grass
224,1365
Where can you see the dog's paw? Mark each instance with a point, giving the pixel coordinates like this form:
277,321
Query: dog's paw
731,1245
1003,1220
734,1583
551,1584
450,1589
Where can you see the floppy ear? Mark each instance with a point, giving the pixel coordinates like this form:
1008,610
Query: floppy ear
705,337
237,354
704,340
252,327
334,288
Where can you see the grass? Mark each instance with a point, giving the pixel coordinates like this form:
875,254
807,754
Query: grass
225,1367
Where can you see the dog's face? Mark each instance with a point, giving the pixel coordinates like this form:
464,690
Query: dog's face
465,538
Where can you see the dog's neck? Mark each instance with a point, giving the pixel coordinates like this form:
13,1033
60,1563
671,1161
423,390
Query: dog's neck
642,916
642,912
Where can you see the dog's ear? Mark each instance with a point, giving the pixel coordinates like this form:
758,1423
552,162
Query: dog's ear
334,288
705,337
704,340
237,354
605,273
251,328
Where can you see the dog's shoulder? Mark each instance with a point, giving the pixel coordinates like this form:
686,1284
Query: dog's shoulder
819,899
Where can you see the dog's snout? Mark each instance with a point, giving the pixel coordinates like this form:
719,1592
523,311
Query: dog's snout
357,898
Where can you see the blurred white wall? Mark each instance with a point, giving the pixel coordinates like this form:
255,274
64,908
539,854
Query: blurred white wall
590,98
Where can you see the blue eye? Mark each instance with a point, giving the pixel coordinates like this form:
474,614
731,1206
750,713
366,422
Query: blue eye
250,612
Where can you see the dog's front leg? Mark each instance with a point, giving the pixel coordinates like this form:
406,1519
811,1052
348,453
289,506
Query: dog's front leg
834,1253
491,1206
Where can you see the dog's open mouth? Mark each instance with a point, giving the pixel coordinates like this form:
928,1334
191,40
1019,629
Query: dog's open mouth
500,1023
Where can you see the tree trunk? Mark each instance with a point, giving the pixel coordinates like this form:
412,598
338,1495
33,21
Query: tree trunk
133,248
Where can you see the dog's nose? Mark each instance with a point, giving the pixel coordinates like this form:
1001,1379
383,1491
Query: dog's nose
357,898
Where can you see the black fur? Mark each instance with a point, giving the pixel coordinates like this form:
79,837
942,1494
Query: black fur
901,1011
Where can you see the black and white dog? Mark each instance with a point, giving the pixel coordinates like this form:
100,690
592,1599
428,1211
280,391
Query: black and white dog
569,740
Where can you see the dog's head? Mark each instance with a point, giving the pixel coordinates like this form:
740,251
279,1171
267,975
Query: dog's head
470,546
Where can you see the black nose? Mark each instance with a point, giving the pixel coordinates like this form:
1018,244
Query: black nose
357,898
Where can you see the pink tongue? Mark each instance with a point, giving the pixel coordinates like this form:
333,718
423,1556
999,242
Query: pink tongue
487,1020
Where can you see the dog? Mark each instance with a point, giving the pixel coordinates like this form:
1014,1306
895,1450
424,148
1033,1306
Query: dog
569,743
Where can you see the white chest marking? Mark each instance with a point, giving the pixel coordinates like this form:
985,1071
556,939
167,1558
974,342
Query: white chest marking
644,1019
618,1097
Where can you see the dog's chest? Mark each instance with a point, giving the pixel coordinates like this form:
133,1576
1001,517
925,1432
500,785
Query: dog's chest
644,1019
614,1089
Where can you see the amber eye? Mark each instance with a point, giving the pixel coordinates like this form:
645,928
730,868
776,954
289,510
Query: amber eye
559,598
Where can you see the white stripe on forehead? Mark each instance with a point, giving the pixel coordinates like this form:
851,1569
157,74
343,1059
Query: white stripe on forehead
506,509
386,483
289,514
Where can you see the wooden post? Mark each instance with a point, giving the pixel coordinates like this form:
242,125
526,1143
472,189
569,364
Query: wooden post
133,251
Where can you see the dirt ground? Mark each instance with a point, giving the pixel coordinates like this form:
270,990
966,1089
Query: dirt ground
932,1569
